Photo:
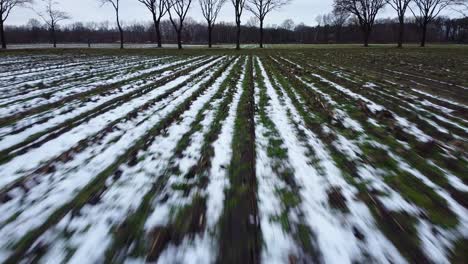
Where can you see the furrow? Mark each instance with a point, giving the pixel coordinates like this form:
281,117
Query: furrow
75,192
93,74
70,140
239,226
17,143
133,238
122,84
378,209
109,207
344,227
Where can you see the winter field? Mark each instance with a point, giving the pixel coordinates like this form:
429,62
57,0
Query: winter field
277,156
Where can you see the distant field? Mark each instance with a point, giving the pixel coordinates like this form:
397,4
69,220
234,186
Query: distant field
293,154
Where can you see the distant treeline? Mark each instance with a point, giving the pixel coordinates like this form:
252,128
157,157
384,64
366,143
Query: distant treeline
442,30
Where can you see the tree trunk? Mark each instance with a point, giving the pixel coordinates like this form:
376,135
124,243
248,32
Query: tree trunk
210,28
120,29
366,32
261,34
157,30
158,35
179,38
447,32
54,37
2,35
401,32
423,37
121,38
238,34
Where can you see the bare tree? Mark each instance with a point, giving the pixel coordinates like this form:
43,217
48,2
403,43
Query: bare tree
238,9
427,10
337,19
261,8
52,17
180,9
400,7
158,9
5,9
210,10
364,10
116,5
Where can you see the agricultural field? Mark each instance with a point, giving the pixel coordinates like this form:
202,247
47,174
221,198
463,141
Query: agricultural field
346,155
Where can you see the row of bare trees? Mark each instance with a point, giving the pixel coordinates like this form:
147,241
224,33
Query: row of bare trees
442,30
178,9
425,11
363,11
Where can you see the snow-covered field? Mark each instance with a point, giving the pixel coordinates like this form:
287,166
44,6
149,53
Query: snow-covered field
279,157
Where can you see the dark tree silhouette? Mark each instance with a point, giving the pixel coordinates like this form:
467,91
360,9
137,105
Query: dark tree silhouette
365,12
400,7
158,9
52,17
116,5
443,30
238,9
261,8
426,11
210,10
178,8
6,6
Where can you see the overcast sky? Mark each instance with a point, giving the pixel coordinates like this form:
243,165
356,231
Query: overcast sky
132,11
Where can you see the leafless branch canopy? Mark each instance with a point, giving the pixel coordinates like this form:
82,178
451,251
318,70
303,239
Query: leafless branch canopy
7,5
158,8
400,6
180,9
115,3
238,8
426,11
339,18
336,18
51,15
364,10
260,8
210,9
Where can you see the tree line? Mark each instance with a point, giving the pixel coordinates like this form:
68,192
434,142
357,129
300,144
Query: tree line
441,30
350,21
